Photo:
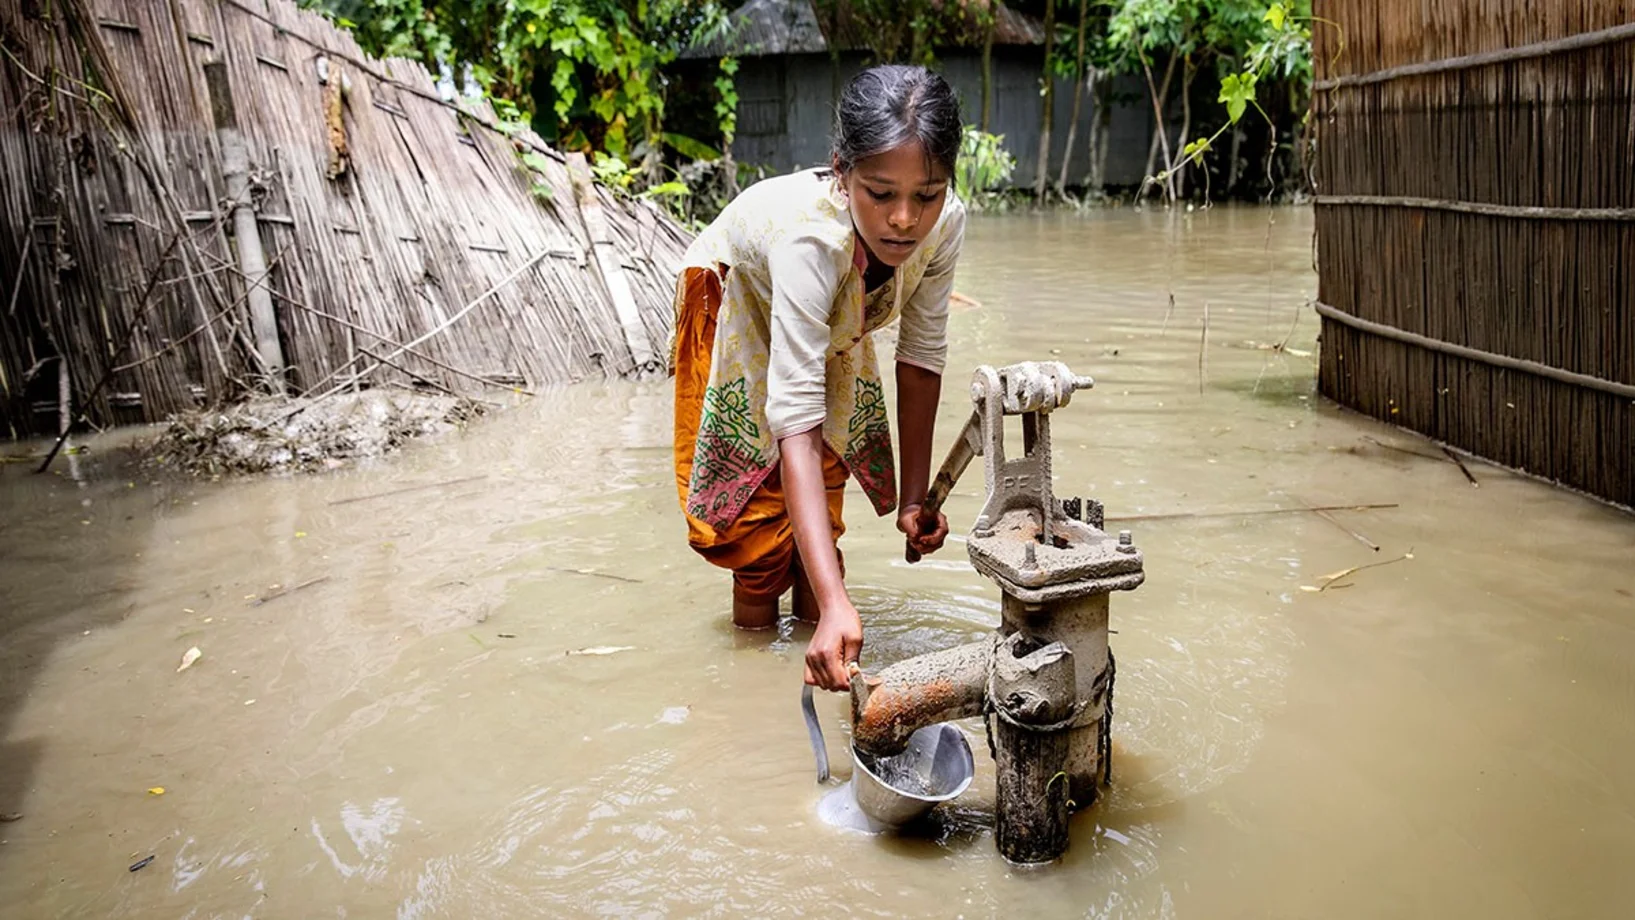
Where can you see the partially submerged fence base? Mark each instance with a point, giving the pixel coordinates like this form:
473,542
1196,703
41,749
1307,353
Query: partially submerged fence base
1476,229
298,435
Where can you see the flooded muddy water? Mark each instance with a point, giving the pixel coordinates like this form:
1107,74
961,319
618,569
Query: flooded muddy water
515,692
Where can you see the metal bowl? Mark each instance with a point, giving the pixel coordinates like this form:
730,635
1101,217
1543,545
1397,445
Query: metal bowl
936,767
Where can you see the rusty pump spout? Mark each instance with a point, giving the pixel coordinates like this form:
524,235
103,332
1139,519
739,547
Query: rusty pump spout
1044,681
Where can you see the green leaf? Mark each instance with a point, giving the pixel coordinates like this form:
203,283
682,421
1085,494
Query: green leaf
674,189
614,138
535,161
1276,16
691,149
1237,91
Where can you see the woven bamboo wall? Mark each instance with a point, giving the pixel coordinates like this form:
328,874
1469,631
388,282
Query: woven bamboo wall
1476,227
433,210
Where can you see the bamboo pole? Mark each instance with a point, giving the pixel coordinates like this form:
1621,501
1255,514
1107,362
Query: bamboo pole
605,257
1623,390
1489,209
252,258
1578,42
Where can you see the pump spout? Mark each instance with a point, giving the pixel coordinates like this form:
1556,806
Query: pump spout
893,704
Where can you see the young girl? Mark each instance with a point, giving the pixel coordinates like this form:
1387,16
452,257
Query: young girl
778,394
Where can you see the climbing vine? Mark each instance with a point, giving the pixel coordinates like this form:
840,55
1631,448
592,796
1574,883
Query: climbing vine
1285,52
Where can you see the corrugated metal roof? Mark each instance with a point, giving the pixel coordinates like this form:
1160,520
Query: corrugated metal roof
770,27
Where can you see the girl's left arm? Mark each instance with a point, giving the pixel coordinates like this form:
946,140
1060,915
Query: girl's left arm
922,347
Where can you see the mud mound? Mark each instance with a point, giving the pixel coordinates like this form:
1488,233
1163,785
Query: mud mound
277,435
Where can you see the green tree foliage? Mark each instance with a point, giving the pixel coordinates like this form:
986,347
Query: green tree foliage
984,166
907,31
1248,44
587,73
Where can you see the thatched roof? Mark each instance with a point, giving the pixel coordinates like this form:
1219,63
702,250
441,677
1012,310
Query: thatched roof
762,28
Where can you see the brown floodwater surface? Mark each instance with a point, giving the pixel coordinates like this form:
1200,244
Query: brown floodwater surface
519,695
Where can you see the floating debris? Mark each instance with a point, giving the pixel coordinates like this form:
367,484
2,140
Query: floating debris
268,435
188,658
1330,581
602,650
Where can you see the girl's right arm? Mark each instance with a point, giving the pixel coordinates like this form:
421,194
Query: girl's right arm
838,639
806,271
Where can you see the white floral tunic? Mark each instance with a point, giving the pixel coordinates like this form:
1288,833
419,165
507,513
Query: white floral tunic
793,349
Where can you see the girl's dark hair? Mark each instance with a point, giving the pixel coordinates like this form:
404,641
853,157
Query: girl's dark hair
884,107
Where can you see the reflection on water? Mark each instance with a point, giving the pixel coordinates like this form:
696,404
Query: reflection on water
1447,735
370,834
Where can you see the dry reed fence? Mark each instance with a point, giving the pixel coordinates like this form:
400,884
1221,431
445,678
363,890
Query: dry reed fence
406,241
1476,227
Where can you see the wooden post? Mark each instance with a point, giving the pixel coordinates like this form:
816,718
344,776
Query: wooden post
987,69
1041,177
605,257
65,397
252,258
334,83
1034,695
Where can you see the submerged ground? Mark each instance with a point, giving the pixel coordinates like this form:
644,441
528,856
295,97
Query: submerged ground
395,713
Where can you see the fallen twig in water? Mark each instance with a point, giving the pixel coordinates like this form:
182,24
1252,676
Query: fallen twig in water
1329,580
1354,535
278,594
631,581
601,650
1182,515
1323,513
1402,450
1410,451
391,492
1448,457
1462,468
1203,344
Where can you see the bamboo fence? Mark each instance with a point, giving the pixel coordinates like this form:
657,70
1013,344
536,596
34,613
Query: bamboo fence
405,239
1476,227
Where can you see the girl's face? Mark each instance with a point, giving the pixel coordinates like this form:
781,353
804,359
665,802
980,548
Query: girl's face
896,198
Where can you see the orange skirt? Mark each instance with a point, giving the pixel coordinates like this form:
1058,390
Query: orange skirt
759,545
